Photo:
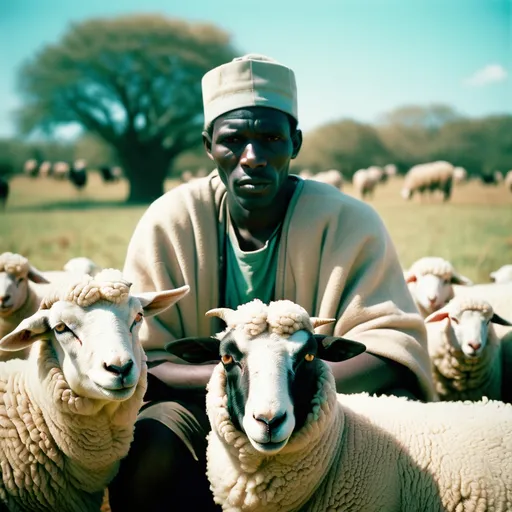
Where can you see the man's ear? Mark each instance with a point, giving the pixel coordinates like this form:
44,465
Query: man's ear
28,331
297,143
207,143
335,349
195,350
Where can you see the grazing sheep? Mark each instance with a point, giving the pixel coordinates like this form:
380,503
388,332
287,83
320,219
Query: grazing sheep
60,170
82,265
67,413
110,174
4,192
283,440
459,174
431,176
364,183
305,174
31,168
391,170
430,281
465,350
377,173
331,177
502,275
19,299
45,169
508,180
78,174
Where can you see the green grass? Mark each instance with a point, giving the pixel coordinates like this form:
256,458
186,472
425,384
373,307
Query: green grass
50,222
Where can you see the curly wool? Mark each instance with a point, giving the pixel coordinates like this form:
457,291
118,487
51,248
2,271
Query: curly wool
433,265
108,285
456,376
59,450
14,264
366,453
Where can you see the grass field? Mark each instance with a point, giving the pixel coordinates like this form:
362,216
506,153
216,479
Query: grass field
50,222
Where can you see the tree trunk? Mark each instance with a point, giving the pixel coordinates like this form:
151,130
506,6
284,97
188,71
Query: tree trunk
146,170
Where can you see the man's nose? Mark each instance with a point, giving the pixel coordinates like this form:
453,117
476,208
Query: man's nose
252,157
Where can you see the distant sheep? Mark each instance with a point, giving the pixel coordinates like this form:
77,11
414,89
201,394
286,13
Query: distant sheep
60,171
430,280
430,177
67,414
502,275
82,265
31,168
364,183
4,192
508,180
331,177
465,350
110,174
78,174
498,295
459,175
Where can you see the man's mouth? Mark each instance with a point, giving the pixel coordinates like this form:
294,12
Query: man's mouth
253,184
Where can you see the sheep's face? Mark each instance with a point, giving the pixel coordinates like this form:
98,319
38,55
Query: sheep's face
502,275
271,381
13,292
406,193
97,347
431,292
470,332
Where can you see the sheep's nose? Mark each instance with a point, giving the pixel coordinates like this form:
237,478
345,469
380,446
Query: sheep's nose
272,422
474,345
432,300
4,299
123,370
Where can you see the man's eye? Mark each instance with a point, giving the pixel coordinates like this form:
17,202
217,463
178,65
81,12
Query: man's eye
274,138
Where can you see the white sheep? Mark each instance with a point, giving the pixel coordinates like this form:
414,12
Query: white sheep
429,176
391,170
508,180
465,350
331,177
430,281
283,440
459,174
19,297
502,275
364,183
498,295
82,265
67,413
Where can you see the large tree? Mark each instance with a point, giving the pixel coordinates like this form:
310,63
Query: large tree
133,81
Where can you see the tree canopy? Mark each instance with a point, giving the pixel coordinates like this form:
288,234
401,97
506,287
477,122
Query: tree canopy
133,81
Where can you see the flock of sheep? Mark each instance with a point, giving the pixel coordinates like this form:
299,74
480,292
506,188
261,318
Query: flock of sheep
74,377
427,177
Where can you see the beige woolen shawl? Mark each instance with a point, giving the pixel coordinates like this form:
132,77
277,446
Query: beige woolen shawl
336,260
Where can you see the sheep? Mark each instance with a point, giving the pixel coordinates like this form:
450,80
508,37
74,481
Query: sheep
78,174
502,275
82,265
19,299
45,169
430,281
283,440
498,295
110,174
390,170
430,176
67,413
4,192
31,168
508,180
465,350
60,170
331,177
377,173
459,174
364,183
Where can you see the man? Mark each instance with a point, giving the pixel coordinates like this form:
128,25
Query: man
251,230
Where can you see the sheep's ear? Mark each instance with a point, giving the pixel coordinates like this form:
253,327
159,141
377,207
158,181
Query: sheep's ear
156,302
437,316
335,349
497,319
28,331
410,277
195,350
460,279
36,276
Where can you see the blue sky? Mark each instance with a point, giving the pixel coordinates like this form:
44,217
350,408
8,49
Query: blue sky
352,58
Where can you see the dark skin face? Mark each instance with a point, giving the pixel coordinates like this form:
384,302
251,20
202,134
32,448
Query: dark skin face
252,149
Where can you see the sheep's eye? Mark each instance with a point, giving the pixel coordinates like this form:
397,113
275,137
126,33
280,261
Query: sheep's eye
454,320
138,318
309,357
20,280
60,328
226,359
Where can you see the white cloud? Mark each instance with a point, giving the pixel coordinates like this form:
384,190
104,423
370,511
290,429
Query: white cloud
489,74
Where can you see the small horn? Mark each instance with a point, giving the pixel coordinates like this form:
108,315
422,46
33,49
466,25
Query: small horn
222,313
317,322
